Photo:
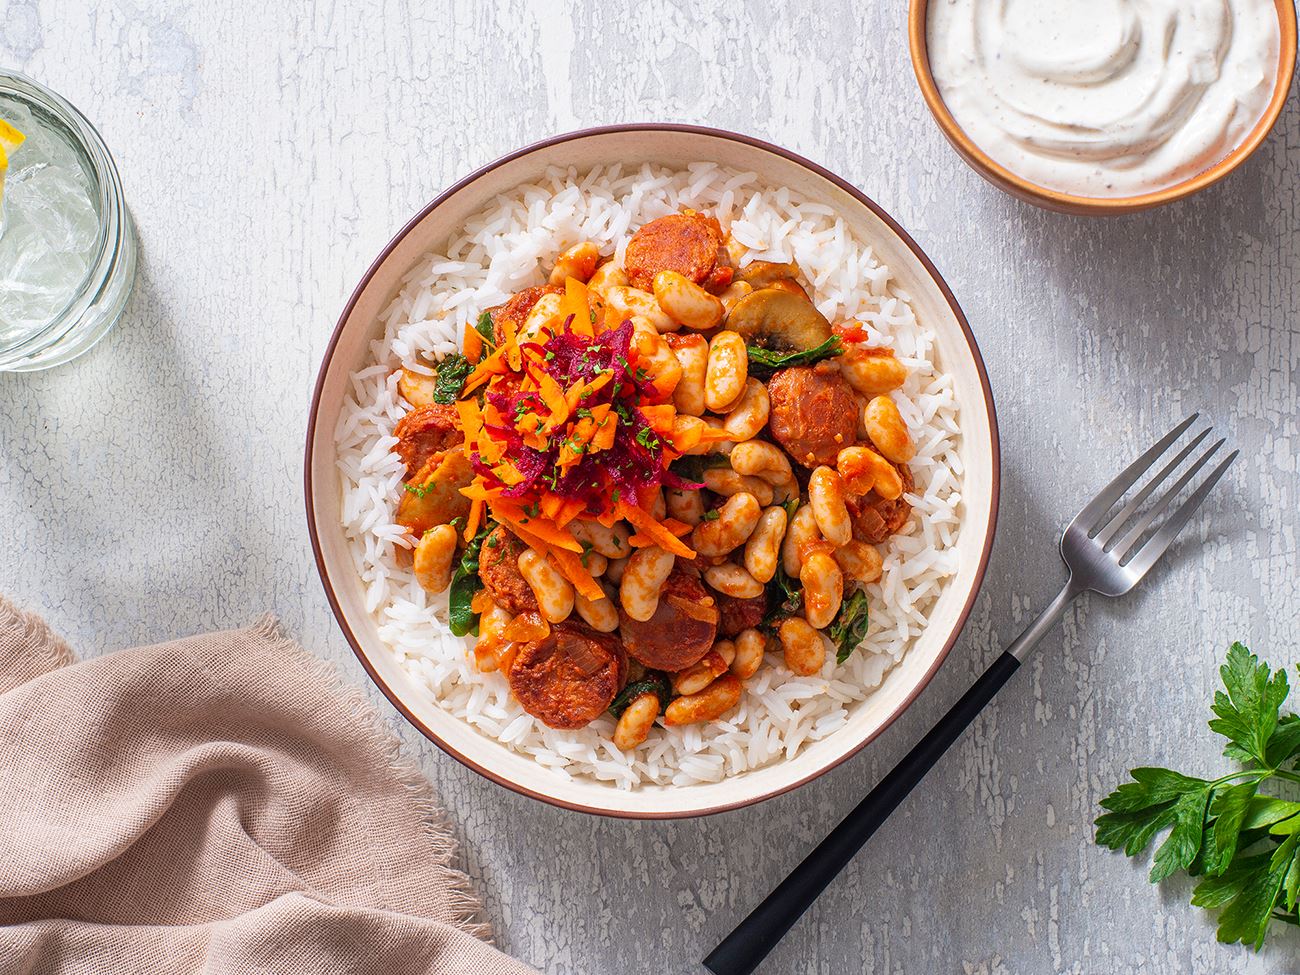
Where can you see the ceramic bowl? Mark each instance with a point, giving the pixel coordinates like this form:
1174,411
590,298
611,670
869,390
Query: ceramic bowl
672,145
1007,181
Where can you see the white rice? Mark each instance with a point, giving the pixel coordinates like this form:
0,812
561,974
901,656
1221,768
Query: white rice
511,245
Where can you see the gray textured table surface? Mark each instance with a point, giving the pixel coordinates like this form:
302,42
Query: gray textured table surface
151,489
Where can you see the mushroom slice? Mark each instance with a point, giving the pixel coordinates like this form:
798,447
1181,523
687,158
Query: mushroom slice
779,320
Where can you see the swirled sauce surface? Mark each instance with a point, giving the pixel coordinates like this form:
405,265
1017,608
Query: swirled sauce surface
1105,98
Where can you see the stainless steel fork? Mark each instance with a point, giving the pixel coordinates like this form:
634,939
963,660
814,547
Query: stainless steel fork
1106,551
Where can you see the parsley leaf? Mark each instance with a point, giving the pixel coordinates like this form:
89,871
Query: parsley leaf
453,370
1244,843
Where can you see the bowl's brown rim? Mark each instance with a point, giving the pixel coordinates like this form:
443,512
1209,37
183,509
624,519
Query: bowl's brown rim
1004,178
995,486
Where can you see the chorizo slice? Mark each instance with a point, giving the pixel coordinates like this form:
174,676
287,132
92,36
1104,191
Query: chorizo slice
682,629
498,568
683,242
570,677
433,497
517,308
814,414
736,615
875,519
424,432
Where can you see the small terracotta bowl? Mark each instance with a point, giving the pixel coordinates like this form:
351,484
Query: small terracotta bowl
674,145
1017,186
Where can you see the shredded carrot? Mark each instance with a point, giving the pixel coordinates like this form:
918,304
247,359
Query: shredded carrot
475,518
510,512
653,532
575,303
473,343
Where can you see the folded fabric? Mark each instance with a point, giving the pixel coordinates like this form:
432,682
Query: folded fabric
218,804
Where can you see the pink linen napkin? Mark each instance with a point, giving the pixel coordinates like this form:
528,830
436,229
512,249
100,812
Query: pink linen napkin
217,804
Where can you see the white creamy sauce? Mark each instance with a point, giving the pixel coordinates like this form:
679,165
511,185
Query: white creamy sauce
1105,98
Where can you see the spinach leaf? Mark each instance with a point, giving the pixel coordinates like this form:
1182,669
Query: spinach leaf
453,370
484,328
692,466
465,585
850,626
765,361
652,683
784,598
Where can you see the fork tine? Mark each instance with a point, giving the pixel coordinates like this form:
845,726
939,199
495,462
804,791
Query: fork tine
1095,509
1122,547
1148,554
1127,511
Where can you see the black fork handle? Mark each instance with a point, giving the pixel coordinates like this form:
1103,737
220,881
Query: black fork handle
742,950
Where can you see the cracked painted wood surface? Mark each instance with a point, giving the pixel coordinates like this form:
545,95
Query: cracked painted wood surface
268,151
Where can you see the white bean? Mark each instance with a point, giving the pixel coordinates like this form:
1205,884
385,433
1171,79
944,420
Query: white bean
433,558
801,531
692,352
724,481
579,261
635,722
686,506
626,302
758,458
750,413
763,550
554,592
715,537
646,572
700,674
609,542
600,614
733,580
805,651
686,302
727,370
545,314
823,589
608,275
826,496
750,646
887,430
859,561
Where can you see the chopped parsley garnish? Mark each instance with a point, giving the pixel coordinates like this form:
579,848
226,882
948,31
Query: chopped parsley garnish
453,370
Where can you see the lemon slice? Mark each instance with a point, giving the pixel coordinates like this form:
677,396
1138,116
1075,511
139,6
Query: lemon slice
10,139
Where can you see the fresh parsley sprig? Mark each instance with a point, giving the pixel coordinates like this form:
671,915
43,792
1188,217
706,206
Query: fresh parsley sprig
1244,842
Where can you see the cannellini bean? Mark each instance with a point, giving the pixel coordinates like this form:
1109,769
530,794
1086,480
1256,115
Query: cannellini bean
686,302
871,371
733,580
735,521
614,571
708,705
627,302
635,722
647,570
686,506
656,357
805,651
750,413
801,531
433,557
887,430
579,261
609,542
734,292
726,650
750,646
763,550
724,481
600,614
785,489
862,469
859,561
554,592
595,563
727,370
418,389
761,459
543,315
492,623
608,275
692,353
700,674
826,496
823,589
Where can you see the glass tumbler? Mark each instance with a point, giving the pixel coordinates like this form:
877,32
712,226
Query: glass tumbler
67,243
